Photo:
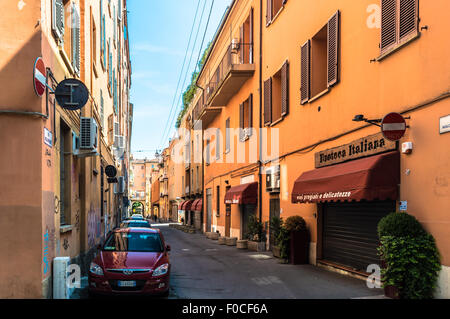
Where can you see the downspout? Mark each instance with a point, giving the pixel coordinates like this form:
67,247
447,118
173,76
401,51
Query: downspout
260,108
203,169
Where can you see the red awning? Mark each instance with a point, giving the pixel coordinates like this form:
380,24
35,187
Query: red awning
242,194
186,205
197,205
374,177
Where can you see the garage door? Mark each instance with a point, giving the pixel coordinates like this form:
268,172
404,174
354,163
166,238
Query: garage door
350,232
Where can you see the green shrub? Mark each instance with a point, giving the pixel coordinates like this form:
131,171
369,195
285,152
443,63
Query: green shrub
255,229
412,261
400,224
295,223
283,240
275,228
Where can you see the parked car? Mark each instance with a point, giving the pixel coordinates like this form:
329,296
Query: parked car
135,223
132,261
137,216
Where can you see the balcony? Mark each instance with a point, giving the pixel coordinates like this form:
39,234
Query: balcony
235,68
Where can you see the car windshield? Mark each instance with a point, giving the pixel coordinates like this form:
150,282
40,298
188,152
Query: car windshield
135,224
139,242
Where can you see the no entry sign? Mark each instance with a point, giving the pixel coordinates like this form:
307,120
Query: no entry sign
393,126
39,77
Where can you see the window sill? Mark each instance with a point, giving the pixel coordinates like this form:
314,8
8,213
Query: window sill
65,229
276,122
276,16
319,95
398,46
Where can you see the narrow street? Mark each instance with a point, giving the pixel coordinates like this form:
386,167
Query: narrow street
201,268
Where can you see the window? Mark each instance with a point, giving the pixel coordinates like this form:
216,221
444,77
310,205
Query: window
102,37
218,201
320,61
246,41
276,96
75,39
246,119
207,159
273,8
217,137
102,110
227,135
65,175
399,23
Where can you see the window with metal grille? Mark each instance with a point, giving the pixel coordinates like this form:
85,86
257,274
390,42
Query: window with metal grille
75,39
399,23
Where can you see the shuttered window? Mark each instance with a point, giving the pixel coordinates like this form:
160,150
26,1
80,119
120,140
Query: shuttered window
268,101
320,61
241,122
333,50
285,89
399,23
273,7
250,115
305,71
227,135
218,143
75,39
58,19
269,12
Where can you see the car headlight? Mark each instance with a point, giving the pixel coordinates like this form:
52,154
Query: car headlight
161,270
96,269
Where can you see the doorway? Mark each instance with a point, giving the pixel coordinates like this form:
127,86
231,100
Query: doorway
274,212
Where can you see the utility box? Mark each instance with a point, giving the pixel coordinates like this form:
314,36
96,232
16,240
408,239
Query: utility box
60,273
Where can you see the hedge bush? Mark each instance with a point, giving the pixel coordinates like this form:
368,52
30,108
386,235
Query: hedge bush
295,223
412,261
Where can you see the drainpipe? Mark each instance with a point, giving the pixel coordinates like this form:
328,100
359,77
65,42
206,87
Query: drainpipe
260,108
203,169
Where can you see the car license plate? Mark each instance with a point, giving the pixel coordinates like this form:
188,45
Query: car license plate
127,283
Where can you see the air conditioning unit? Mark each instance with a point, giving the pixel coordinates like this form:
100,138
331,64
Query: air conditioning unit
235,44
88,134
273,179
119,188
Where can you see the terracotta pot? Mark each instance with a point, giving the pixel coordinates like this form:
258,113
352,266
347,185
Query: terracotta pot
276,251
256,246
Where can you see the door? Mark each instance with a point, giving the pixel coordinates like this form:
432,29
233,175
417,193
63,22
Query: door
246,211
228,217
350,232
274,212
208,209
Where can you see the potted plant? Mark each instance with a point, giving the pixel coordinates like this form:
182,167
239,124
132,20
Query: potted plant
299,240
256,235
409,258
275,228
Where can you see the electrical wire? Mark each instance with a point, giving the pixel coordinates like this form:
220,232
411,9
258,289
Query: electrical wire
181,74
186,74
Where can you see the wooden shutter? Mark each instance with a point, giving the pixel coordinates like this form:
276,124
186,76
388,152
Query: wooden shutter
250,115
227,134
241,46
408,23
333,49
217,143
269,12
285,89
305,70
250,58
268,101
241,122
388,24
110,130
75,39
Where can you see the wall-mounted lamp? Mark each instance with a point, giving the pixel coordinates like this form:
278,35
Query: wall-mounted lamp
361,118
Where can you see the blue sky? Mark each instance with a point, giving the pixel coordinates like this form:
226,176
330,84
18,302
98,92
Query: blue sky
159,34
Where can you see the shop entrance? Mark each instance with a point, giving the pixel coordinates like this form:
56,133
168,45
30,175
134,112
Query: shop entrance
227,217
350,232
274,212
246,211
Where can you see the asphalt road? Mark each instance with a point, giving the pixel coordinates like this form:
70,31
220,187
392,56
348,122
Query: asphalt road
201,268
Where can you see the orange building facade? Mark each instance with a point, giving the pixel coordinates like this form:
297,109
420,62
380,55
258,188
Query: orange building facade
282,108
55,200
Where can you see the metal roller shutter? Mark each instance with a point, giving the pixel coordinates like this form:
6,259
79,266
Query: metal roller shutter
350,232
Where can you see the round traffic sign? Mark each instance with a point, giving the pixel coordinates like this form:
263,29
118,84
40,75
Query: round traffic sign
393,126
39,77
110,171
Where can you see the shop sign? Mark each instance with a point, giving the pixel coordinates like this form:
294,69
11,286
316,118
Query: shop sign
444,124
362,147
403,207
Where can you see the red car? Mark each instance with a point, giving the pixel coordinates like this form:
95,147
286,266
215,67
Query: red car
132,261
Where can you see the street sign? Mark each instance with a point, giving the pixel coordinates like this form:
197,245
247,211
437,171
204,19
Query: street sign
71,94
39,77
393,126
110,171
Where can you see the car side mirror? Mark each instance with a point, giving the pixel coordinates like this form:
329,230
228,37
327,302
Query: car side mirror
168,248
